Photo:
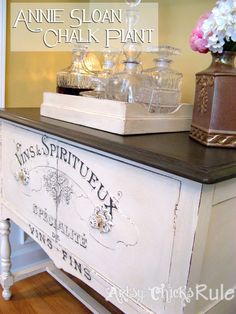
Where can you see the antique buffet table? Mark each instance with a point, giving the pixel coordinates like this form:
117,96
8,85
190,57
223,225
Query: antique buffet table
126,215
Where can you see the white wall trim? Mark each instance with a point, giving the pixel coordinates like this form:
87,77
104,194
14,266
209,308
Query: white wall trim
3,10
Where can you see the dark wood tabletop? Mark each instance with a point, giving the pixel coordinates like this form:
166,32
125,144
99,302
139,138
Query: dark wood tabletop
172,152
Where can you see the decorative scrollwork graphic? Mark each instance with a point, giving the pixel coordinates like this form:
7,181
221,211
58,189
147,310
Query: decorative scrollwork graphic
23,176
101,219
57,185
204,82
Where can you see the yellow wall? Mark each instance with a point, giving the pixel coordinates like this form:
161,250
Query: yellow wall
29,74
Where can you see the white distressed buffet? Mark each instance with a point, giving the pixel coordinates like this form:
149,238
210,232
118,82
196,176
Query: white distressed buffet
126,215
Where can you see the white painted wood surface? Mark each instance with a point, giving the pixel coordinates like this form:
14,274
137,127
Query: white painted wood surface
214,256
114,116
200,243
6,275
161,222
223,307
224,191
218,267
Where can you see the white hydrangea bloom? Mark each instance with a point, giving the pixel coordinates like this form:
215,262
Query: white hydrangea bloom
220,27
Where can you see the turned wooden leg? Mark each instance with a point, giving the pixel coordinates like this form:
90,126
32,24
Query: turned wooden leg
6,275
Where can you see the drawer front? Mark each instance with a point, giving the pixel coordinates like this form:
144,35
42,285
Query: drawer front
111,224
126,215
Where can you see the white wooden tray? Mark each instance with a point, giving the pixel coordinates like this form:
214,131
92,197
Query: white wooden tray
114,116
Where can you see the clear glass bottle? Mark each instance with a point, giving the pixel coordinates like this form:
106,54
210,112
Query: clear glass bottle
130,85
166,95
100,78
76,78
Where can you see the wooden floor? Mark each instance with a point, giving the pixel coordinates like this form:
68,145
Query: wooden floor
41,294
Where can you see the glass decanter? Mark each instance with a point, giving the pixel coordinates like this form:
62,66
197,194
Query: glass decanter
76,78
166,95
133,3
100,78
129,85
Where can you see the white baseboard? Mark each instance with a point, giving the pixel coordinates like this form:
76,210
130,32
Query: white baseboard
26,256
32,270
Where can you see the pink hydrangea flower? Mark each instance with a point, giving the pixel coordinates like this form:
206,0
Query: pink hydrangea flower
197,42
